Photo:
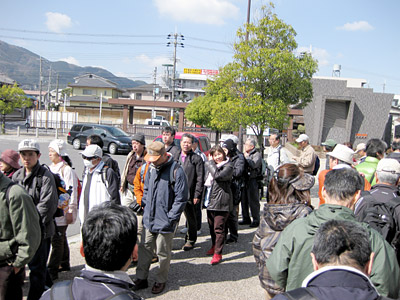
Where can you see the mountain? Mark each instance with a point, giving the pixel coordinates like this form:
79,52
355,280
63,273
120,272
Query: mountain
23,66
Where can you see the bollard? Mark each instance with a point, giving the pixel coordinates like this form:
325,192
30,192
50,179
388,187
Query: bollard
18,128
37,132
56,133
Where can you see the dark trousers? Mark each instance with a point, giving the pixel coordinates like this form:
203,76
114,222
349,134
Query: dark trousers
191,222
59,250
11,283
38,270
197,208
216,222
251,198
232,223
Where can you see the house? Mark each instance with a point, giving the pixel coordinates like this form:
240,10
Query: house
191,83
90,93
5,80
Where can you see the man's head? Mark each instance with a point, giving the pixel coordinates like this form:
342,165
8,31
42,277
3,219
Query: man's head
360,150
375,148
156,154
249,145
303,140
168,135
342,243
388,171
138,143
341,154
342,187
396,146
195,144
29,152
95,139
92,156
329,145
109,237
186,142
274,140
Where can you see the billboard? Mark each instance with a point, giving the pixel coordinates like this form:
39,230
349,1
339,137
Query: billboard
200,71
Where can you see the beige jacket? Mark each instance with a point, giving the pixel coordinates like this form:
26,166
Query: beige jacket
307,158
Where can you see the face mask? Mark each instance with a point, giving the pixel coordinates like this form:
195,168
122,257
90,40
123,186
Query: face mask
88,163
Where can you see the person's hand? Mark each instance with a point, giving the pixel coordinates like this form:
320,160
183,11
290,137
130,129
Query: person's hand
16,270
196,200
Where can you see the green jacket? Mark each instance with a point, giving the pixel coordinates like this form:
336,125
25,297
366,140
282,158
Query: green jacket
290,261
368,168
20,233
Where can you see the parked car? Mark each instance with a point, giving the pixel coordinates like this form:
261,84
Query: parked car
157,122
204,141
115,139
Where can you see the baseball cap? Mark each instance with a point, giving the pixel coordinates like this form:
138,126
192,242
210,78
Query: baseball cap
329,143
302,137
154,151
92,151
342,153
28,144
58,146
361,146
388,165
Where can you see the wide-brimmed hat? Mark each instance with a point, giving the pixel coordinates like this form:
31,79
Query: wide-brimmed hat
342,153
11,158
303,182
92,151
154,151
59,147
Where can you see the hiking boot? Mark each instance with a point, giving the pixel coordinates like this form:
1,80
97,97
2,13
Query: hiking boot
216,259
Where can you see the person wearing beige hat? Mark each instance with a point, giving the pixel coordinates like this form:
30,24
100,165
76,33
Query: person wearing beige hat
61,165
164,198
9,162
307,157
360,152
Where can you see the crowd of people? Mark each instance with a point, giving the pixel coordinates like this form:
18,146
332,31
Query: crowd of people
130,218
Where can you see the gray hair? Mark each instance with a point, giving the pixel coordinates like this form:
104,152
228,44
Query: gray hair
387,177
252,141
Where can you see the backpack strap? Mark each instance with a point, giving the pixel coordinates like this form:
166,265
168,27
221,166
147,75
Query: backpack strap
142,169
300,294
104,175
6,190
172,174
62,290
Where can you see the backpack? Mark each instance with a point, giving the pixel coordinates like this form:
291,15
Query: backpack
380,216
63,291
316,166
172,172
63,194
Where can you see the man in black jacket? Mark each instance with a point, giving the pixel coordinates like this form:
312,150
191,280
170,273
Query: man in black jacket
193,166
168,137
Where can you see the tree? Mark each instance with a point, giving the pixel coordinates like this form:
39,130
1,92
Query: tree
264,80
11,97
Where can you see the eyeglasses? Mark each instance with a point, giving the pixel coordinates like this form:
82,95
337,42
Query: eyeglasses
88,158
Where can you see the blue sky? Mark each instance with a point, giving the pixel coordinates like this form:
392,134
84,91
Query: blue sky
129,37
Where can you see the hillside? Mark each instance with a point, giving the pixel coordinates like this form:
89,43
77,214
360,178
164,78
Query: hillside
23,66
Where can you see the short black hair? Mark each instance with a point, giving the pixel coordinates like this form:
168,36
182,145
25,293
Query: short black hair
374,147
395,146
95,140
342,184
341,242
188,135
109,236
169,129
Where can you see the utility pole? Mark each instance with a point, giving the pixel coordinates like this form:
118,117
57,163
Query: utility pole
58,75
247,38
153,114
48,91
39,105
177,42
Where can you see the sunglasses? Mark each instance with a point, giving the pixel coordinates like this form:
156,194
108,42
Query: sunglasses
88,158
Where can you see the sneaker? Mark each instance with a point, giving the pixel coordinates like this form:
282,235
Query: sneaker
216,259
139,284
188,246
211,251
184,230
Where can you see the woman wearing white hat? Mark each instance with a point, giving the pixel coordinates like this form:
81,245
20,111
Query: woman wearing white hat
61,165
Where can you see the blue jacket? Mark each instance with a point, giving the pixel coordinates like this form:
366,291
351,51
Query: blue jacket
163,201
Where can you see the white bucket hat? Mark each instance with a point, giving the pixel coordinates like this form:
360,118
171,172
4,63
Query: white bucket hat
342,153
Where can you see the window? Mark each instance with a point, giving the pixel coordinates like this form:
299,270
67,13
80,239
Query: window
84,128
105,93
87,92
138,96
166,97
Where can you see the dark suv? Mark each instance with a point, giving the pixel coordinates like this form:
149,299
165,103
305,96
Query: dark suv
115,140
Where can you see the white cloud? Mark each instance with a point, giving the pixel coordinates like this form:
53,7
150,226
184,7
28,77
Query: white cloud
356,26
56,22
320,54
212,12
153,61
70,60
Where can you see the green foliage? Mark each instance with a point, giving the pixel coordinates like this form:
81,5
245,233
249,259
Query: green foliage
264,80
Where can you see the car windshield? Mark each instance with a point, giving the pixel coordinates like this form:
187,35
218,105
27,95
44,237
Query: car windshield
117,132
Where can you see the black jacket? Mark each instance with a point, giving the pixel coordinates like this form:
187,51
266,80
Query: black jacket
194,170
174,150
239,167
221,193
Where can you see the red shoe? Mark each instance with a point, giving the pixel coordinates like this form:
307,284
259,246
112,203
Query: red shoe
216,259
211,251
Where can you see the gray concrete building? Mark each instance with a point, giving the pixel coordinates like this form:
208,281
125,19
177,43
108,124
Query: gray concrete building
344,110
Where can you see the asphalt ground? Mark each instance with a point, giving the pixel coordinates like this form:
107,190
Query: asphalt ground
191,275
